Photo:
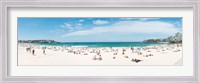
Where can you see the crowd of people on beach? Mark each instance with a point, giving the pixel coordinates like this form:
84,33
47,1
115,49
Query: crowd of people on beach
32,50
97,52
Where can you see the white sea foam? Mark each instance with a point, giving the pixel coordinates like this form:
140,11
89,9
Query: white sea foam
79,46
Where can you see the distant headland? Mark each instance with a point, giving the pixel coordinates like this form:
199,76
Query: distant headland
177,38
37,41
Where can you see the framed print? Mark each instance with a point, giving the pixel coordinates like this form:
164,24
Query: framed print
99,41
94,39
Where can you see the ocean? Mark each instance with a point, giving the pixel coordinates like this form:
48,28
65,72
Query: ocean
102,44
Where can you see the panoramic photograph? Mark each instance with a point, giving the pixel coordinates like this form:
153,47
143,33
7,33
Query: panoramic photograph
100,41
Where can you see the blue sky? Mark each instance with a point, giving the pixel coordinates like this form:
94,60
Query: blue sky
97,29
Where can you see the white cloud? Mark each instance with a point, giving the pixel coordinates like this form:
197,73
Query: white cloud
62,26
70,27
79,24
140,19
145,19
129,18
68,24
98,22
127,27
81,20
178,23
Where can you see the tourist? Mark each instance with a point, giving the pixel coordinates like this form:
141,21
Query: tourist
123,51
33,52
132,49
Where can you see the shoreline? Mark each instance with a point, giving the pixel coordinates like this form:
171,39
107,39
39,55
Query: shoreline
85,46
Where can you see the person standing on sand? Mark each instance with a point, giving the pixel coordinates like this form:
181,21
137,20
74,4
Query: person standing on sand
100,58
123,51
44,48
33,52
132,49
44,52
30,49
27,49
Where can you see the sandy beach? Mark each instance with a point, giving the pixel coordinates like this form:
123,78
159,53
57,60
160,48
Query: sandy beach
65,55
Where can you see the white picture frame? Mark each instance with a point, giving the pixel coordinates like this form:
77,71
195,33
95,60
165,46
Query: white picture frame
4,42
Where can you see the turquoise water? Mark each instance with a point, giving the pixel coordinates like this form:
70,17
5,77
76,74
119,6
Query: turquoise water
102,44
